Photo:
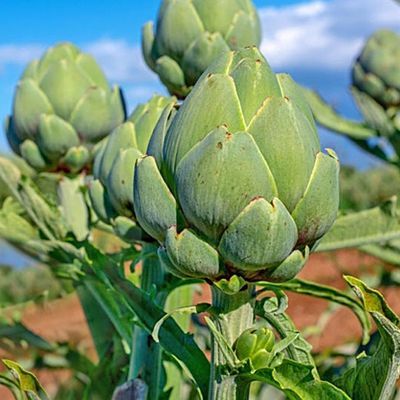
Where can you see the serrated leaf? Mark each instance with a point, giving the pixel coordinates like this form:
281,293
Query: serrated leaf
18,332
299,350
329,118
15,228
376,225
374,114
389,252
327,293
101,328
172,339
110,306
372,300
180,310
374,376
26,381
10,383
47,218
10,175
297,382
59,250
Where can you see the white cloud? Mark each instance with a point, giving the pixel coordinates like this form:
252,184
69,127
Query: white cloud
322,34
121,61
11,54
312,34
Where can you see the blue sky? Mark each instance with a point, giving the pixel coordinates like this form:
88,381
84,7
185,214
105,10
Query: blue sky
314,40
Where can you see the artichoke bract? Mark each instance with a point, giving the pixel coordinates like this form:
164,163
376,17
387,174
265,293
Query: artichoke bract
111,191
376,81
190,34
237,185
63,106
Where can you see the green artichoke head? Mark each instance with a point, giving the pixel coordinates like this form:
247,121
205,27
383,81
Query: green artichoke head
111,190
240,186
63,105
255,346
190,34
376,81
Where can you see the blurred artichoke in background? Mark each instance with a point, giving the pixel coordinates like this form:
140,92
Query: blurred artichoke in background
238,184
63,106
191,33
111,191
376,82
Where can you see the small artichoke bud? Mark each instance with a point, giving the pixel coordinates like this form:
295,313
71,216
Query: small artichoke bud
236,183
255,346
112,190
376,81
63,106
190,34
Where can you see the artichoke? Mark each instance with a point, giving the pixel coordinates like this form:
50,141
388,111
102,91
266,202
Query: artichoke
63,106
191,33
237,184
376,81
111,191
255,346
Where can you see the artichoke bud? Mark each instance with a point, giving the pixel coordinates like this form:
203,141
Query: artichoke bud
376,81
112,190
236,183
189,35
76,159
63,105
255,346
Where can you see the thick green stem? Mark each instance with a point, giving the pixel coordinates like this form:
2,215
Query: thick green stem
146,355
234,314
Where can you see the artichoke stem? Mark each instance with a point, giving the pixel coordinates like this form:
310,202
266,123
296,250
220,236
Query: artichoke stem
146,355
235,314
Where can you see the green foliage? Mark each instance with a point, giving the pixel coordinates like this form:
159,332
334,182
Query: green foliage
324,292
376,225
360,190
25,381
375,375
19,286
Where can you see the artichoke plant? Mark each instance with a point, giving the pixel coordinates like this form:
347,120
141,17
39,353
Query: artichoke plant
111,191
237,184
376,81
191,33
63,106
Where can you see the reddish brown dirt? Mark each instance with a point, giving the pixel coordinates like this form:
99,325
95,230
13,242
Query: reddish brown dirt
328,268
63,320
